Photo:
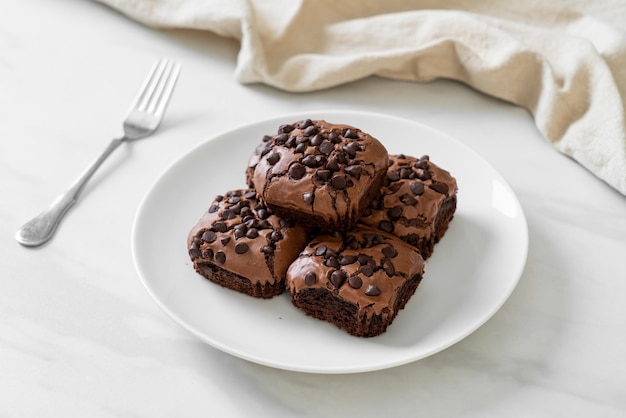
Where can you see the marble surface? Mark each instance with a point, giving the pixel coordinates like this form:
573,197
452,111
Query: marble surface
80,336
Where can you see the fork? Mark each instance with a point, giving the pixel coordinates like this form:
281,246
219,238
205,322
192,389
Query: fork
143,118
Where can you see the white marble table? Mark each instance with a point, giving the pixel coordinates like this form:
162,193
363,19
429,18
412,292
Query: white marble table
81,337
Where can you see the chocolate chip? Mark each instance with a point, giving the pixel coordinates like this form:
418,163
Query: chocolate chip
316,140
372,290
208,253
354,170
332,262
364,259
264,224
439,187
389,268
350,134
320,160
241,248
310,278
385,226
390,252
351,149
267,249
286,128
338,182
323,174
237,207
213,208
332,164
308,198
311,130
280,139
263,149
355,282
262,213
228,214
225,240
239,233
273,158
341,157
423,164
394,212
276,236
393,175
321,250
366,270
337,277
309,161
405,173
417,188
291,142
423,175
408,200
220,258
347,259
252,233
194,251
209,236
305,124
334,138
220,226
250,195
326,147
297,171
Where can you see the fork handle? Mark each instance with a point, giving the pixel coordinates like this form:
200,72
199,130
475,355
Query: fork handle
43,226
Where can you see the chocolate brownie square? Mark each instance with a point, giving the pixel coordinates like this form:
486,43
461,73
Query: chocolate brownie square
318,173
416,203
357,280
240,244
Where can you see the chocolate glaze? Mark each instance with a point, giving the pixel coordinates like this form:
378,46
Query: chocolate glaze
240,235
364,267
318,173
416,202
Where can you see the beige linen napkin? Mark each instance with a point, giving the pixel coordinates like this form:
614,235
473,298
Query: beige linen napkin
563,60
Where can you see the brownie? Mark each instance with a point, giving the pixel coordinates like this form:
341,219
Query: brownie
240,244
416,202
357,280
318,173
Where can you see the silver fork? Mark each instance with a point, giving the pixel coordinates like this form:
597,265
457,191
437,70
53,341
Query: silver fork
142,119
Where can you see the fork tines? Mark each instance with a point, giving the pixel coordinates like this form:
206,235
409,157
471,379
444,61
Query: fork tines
158,87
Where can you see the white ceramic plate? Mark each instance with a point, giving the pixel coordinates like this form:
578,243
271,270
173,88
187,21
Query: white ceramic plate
471,274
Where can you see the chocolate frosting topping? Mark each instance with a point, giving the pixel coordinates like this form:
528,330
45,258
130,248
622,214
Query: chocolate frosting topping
242,236
411,197
363,266
316,168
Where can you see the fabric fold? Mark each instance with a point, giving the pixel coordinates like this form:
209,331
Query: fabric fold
564,61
